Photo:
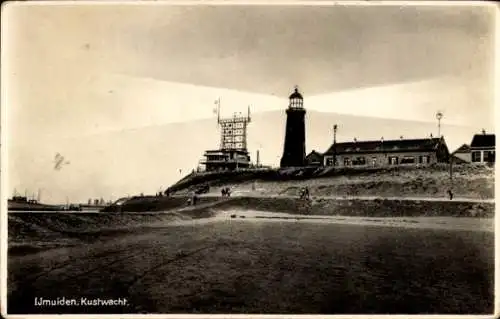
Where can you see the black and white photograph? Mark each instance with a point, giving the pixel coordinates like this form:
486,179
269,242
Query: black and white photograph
239,158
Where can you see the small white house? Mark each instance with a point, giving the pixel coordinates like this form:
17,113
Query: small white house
483,148
463,153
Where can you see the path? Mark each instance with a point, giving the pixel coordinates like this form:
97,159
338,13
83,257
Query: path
368,198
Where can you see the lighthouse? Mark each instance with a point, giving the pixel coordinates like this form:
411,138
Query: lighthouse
294,149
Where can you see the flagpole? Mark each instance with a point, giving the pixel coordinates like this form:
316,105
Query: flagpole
218,110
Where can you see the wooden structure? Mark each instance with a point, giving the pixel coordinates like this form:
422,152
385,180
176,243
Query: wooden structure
232,153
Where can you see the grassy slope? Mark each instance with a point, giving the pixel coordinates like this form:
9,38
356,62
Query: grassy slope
28,233
153,204
468,181
12,205
366,208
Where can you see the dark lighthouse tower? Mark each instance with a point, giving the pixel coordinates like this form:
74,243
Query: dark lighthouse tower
294,150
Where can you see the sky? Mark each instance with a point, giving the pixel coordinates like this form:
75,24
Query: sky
75,74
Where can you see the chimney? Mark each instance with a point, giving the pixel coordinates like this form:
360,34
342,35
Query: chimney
355,140
484,131
401,137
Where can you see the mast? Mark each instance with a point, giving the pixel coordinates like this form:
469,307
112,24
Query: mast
218,110
334,144
439,116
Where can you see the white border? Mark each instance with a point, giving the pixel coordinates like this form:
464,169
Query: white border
255,3
4,142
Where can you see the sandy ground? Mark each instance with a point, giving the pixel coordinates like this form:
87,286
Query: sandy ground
450,223
269,263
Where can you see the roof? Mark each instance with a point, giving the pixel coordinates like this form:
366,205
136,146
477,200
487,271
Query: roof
424,144
296,95
313,152
483,140
462,149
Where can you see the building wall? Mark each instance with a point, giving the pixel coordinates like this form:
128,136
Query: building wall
442,153
464,156
314,159
380,159
482,156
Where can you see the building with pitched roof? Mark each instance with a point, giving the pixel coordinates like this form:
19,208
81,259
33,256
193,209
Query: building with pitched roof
462,154
482,148
314,159
422,151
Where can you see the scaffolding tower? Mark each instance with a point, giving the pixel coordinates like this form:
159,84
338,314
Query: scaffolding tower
233,130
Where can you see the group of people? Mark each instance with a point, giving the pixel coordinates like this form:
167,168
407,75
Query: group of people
225,192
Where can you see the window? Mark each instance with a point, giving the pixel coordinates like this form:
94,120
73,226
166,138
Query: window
476,156
489,156
359,161
374,161
408,160
347,161
393,160
424,159
329,161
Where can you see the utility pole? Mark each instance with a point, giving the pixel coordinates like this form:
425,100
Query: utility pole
439,116
217,102
451,169
334,145
451,176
